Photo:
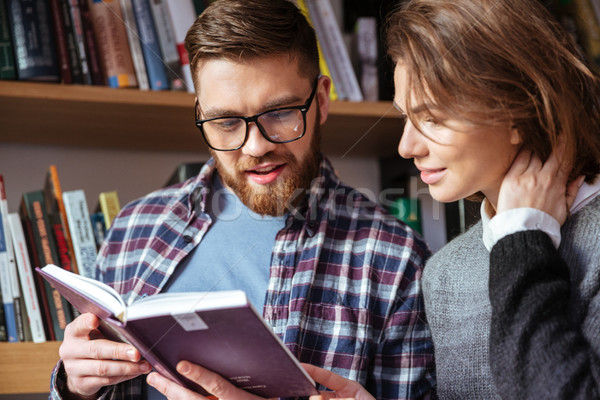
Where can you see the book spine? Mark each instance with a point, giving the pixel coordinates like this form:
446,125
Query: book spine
28,286
91,47
341,60
135,45
323,66
33,40
113,44
59,307
109,205
81,231
73,53
6,286
168,46
60,37
74,14
157,74
7,58
182,15
99,228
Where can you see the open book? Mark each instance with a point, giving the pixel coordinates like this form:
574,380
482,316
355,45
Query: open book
219,330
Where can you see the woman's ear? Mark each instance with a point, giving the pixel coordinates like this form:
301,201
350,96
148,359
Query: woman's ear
515,136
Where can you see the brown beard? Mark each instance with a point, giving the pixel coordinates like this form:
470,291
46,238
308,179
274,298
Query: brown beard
276,198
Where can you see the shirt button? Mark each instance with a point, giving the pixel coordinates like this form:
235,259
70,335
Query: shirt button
188,238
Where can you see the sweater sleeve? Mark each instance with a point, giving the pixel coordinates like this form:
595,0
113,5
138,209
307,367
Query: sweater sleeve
536,352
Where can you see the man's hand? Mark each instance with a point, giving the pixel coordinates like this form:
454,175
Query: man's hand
529,183
92,363
342,388
213,383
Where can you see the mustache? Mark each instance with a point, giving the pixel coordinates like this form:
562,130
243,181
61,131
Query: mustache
252,162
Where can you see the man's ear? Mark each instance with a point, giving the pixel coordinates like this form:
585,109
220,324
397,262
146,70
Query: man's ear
515,136
324,86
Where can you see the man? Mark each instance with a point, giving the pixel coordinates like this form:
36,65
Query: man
342,290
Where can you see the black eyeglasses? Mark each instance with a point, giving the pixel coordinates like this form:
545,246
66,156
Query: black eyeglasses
279,125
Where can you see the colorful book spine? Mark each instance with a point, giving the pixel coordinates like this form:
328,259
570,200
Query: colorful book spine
33,202
6,286
168,46
31,29
99,228
157,74
109,205
71,42
28,285
182,15
82,233
74,14
111,37
135,44
7,57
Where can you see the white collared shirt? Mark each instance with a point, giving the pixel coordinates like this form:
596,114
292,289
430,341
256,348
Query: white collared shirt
522,219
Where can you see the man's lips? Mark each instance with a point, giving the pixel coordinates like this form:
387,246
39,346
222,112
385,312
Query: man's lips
265,173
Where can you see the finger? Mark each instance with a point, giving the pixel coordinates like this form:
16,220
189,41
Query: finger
101,349
327,378
170,389
212,382
573,189
82,325
106,368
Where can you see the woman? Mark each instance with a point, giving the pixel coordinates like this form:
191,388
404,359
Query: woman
491,86
500,106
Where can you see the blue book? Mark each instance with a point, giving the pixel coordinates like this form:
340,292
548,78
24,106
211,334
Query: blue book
5,286
155,67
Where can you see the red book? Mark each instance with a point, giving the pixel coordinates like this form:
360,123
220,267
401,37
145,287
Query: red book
219,330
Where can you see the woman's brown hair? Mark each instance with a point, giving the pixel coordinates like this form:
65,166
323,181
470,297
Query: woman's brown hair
502,62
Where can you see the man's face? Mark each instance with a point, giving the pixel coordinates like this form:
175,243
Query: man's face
262,174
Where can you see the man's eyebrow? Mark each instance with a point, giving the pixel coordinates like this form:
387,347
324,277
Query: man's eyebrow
213,112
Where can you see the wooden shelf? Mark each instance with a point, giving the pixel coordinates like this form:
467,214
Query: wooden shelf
92,116
26,367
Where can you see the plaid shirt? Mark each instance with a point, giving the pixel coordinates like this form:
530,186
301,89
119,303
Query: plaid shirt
344,291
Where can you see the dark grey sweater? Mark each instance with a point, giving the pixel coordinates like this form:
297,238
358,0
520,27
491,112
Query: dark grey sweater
546,320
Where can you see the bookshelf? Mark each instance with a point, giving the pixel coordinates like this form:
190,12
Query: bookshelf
101,117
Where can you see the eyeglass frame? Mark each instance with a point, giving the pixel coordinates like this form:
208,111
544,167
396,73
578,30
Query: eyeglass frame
303,109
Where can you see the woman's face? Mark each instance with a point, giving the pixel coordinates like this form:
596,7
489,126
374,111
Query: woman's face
456,158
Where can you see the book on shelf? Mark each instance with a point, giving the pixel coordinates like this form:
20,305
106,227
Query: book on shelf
91,46
72,14
109,205
167,43
157,74
60,38
135,45
207,328
99,228
32,303
182,15
82,234
9,281
7,57
55,208
334,49
32,210
3,334
113,45
10,317
31,29
325,70
367,52
75,62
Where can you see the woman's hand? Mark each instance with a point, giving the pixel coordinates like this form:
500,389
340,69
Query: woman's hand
529,183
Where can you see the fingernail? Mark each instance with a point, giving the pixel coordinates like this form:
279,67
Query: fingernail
131,354
183,368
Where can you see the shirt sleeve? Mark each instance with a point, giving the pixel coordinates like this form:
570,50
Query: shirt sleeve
523,219
536,352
